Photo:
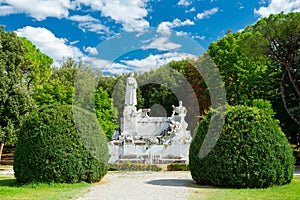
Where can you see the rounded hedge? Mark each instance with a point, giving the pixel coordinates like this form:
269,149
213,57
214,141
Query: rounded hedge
51,148
251,151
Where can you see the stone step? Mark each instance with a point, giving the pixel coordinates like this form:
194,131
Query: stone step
7,157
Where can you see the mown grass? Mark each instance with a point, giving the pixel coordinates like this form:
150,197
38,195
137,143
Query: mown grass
285,192
10,190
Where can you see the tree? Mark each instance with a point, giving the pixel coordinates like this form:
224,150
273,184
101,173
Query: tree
105,113
37,66
108,83
59,88
15,100
277,37
85,84
191,72
245,79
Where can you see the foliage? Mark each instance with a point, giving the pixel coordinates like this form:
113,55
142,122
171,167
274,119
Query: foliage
251,151
249,73
192,74
105,112
85,87
277,38
15,102
160,87
51,148
108,83
134,167
245,79
37,67
59,88
22,68
178,167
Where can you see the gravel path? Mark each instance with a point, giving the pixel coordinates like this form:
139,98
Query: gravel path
142,185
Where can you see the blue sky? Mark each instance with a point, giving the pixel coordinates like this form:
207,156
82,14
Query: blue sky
118,36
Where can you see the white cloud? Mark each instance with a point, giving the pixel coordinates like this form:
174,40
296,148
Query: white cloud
130,13
7,10
40,10
193,9
117,68
165,27
184,3
162,44
91,50
277,6
82,18
106,65
96,62
138,65
87,22
199,37
48,43
155,61
207,13
74,42
181,33
184,23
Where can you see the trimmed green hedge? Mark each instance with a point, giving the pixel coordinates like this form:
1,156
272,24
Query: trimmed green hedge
252,151
51,148
134,167
178,167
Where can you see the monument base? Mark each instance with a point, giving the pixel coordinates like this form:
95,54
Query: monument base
141,153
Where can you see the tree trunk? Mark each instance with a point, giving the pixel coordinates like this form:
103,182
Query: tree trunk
1,149
283,98
291,78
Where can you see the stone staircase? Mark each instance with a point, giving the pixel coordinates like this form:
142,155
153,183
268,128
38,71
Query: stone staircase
146,159
7,157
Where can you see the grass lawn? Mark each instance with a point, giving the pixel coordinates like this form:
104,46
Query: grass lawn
9,190
289,191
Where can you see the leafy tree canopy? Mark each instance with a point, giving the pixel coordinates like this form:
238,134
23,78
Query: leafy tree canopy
22,68
277,38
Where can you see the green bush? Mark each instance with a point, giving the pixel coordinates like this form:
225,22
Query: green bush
251,151
134,167
51,148
178,167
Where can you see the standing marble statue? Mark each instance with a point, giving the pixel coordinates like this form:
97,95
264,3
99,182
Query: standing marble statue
130,112
131,86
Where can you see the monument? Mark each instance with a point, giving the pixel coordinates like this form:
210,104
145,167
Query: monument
149,140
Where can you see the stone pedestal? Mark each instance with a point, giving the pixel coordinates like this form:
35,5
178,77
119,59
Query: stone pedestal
149,154
129,120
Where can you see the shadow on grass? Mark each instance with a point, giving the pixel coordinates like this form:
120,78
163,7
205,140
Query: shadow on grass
9,182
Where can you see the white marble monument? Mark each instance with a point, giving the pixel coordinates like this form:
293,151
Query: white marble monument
144,139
